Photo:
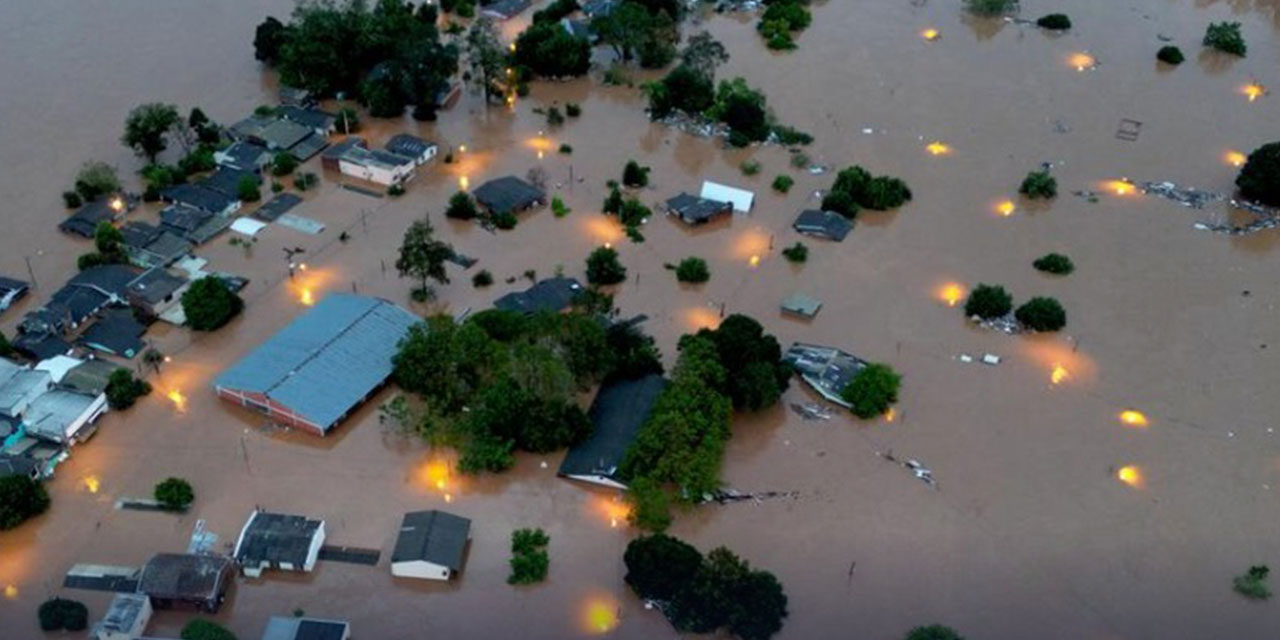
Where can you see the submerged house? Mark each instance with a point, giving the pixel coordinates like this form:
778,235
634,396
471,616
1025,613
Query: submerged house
826,369
693,210
823,224
293,628
62,416
278,541
116,332
201,580
375,165
42,332
201,198
504,9
553,294
320,122
799,304
244,156
509,194
322,366
741,199
109,208
619,410
150,246
403,144
126,618
431,545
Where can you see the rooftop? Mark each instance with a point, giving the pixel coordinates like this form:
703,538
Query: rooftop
283,134
246,155
226,181
122,614
801,305
617,413
154,285
552,294
89,376
508,194
434,536
741,199
693,209
826,224
276,538
828,370
184,576
312,118
408,146
54,411
116,332
376,158
198,197
282,628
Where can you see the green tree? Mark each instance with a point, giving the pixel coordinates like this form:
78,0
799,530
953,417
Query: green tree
109,242
797,253
872,390
549,51
659,566
693,270
208,304
1054,263
1259,178
704,54
422,256
933,632
58,613
1039,184
634,175
147,128
1253,584
283,164
988,302
1225,37
603,267
650,505
268,39
487,56
199,629
1054,22
783,183
123,389
755,358
529,558
198,161
174,494
96,179
742,108
727,592
348,120
632,31
20,498
247,189
1170,54
684,89
991,7
1042,314
461,207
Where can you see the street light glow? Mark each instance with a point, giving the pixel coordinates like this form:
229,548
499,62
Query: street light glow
1006,208
930,34
938,148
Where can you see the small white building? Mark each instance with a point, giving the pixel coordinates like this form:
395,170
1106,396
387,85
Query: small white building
741,199
431,545
278,541
126,618
374,165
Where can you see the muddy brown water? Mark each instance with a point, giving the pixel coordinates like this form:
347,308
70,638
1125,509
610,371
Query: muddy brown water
1030,532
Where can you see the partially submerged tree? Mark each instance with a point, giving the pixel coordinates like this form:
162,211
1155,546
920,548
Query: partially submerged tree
200,629
1253,584
96,179
209,303
1055,263
174,494
123,389
487,57
20,498
634,175
1259,178
1042,314
1170,54
422,256
693,270
933,632
1054,22
991,7
660,566
1039,184
529,558
147,128
1225,37
59,613
461,207
604,268
872,390
988,302
549,51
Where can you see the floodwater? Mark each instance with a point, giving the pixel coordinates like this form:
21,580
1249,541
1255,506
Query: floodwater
1031,533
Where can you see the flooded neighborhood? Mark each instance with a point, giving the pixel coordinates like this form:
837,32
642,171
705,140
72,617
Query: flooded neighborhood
865,391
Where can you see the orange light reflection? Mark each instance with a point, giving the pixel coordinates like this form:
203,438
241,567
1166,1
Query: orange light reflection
1132,476
951,293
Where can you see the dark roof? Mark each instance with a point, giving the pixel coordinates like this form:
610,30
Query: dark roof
198,197
282,134
112,279
505,8
327,360
246,156
694,209
41,346
336,151
619,410
85,220
826,224
313,118
309,146
154,285
282,628
552,294
827,369
595,8
11,465
276,538
508,195
294,95
227,181
277,206
434,536
184,576
183,218
408,146
116,332
150,245
11,291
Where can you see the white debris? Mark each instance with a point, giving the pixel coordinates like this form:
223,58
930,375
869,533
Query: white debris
966,358
991,359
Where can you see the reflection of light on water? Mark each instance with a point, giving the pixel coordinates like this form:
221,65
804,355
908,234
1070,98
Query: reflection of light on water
1130,475
1059,357
749,244
1059,374
10,591
1120,187
600,615
890,415
938,148
701,318
1234,158
436,474
179,401
448,498
1006,208
1134,418
1082,61
930,34
91,484
754,261
951,293
539,155
463,183
117,204
306,298
1253,91
614,510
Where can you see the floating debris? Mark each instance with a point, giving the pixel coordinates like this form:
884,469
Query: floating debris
1006,323
811,411
1188,197
914,466
728,496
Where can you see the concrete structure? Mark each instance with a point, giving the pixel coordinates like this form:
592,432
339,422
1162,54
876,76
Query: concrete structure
197,579
282,628
155,291
62,416
799,304
374,165
403,144
552,294
430,546
322,365
823,224
694,210
126,618
278,541
619,410
826,369
741,199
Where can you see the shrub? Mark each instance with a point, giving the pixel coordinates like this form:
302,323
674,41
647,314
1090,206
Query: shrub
1054,22
1054,263
603,267
1170,54
988,301
799,160
528,556
461,207
559,208
790,136
57,614
855,188
205,630
841,203
283,164
208,304
872,390
634,175
660,566
749,167
1259,178
1225,37
247,189
71,199
123,389
174,494
566,149
1042,314
783,183
395,190
1039,184
616,76
554,117
1253,584
933,632
20,498
482,279
884,193
306,181
348,120
693,270
96,179
276,186
199,160
797,253
991,7
504,220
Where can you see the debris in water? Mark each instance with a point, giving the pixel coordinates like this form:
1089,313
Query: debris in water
811,411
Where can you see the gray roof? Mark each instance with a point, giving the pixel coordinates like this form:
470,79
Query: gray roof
309,147
276,538
85,220
825,224
621,407
50,414
595,8
198,197
350,142
11,465
226,181
149,245
155,285
185,576
246,156
505,8
111,279
41,346
552,294
801,304
327,360
508,194
277,206
184,218
434,536
312,118
122,614
89,376
376,158
827,369
282,628
283,134
408,146
20,386
696,210
115,332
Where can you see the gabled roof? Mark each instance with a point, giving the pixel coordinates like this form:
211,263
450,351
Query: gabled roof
198,197
310,118
20,387
552,294
825,224
327,360
409,146
90,376
694,209
283,134
184,576
115,332
11,465
508,194
41,346
11,291
245,155
183,218
111,279
122,615
801,305
226,181
309,146
338,150
277,206
505,9
376,158
85,220
276,538
282,628
741,199
51,413
619,410
154,285
595,8
432,536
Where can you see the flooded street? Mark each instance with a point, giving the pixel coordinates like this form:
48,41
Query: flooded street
1031,533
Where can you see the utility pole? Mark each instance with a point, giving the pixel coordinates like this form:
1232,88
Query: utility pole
31,273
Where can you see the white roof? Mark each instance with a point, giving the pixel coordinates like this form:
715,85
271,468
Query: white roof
741,199
248,226
58,366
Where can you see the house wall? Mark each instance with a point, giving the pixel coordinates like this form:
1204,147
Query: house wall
313,553
89,416
379,175
420,569
272,409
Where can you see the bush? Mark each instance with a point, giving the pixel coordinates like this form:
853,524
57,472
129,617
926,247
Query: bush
991,7
749,167
1054,22
247,189
1039,184
198,161
660,566
603,267
283,164
988,302
461,207
1253,584
1259,178
57,614
693,270
841,203
559,208
1225,37
855,188
205,630
71,199
208,304
504,220
123,389
797,253
872,390
174,494
782,184
1042,314
799,160
395,190
554,117
276,186
96,179
528,556
634,175
790,136
933,632
1054,263
20,498
572,109
566,149
1170,54
306,181
482,279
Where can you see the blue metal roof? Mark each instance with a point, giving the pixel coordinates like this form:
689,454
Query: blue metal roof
327,360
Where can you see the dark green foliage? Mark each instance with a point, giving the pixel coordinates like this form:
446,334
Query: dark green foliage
96,179
1253,584
988,302
650,504
634,354
742,109
482,279
796,253
1054,22
559,208
461,207
842,203
566,148
1054,263
422,256
268,38
305,181
161,176
147,127
1042,314
633,31
572,109
754,359
555,11
883,193
57,614
933,632
855,188
780,19
283,164
791,136
71,199
684,89
108,243
872,390
348,120
1259,178
603,267
613,202
783,183
396,190
991,7
549,51
1170,54
749,167
198,161
174,494
554,117
209,304
528,556
660,566
1225,37
199,629
247,189
20,498
123,389
504,220
632,213
634,175
1039,184
693,270
6,348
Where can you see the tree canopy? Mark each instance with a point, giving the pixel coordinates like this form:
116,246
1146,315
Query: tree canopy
1042,314
548,50
872,390
988,302
754,360
603,267
60,613
20,498
200,629
639,29
933,632
209,303
174,494
147,128
123,389
1259,178
96,179
855,188
422,256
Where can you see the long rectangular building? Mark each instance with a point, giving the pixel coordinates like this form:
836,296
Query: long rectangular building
322,365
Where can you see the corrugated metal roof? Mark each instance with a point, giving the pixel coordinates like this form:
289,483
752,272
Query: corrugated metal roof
741,199
327,360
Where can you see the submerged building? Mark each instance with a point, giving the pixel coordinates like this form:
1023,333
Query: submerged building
828,370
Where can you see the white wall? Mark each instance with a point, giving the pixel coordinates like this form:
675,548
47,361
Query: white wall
419,569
